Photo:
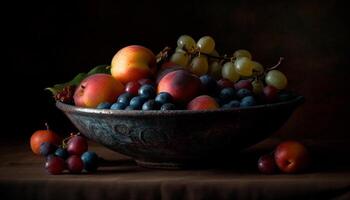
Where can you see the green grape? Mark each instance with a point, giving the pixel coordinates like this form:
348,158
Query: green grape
258,86
258,69
186,42
228,71
215,70
215,54
206,44
242,53
199,65
180,50
276,79
244,66
180,58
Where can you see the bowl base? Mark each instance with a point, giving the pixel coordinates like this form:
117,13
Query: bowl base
161,165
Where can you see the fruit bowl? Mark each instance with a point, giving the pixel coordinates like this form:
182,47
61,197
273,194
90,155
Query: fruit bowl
180,138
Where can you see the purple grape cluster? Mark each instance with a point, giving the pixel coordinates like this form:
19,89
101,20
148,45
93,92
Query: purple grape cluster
73,156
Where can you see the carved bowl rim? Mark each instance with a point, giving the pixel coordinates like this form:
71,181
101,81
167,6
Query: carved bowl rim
71,108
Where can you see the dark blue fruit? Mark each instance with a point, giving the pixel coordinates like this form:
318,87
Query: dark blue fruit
150,105
124,98
90,161
147,91
168,106
227,94
47,148
137,102
232,104
163,98
118,106
130,108
103,105
62,153
241,93
209,84
248,101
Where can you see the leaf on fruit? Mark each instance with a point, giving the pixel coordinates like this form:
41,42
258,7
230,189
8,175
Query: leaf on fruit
104,69
74,82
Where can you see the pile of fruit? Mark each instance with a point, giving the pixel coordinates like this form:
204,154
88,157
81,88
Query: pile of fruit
288,157
193,76
72,154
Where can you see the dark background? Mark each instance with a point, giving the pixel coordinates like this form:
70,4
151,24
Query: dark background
50,42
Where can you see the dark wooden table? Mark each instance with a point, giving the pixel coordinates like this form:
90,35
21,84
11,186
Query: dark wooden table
22,176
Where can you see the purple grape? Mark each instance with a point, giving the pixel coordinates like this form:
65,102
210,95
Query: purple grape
77,145
55,165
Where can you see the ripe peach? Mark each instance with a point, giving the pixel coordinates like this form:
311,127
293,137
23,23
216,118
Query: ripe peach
132,63
180,84
164,71
203,102
292,157
96,89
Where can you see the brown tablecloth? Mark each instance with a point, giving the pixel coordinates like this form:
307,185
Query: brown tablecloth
22,176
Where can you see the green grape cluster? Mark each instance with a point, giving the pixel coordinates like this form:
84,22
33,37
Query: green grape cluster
202,58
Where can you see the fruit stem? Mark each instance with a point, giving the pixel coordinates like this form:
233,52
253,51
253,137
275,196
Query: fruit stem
47,126
65,140
276,65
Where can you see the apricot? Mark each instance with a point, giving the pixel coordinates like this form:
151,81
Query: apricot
203,102
41,136
132,63
96,89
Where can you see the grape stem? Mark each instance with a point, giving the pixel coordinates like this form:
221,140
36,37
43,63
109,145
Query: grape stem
65,140
276,65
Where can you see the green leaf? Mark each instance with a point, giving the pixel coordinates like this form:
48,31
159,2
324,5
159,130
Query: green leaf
105,69
59,87
77,79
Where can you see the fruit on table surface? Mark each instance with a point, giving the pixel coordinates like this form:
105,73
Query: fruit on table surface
292,157
55,165
267,164
97,89
181,85
75,164
41,136
47,148
90,161
203,102
77,145
132,63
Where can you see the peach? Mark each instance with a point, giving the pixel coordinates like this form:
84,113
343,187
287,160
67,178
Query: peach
180,84
292,157
132,63
96,89
203,102
164,71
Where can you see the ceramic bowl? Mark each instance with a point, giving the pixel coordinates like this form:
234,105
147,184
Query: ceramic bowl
178,138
